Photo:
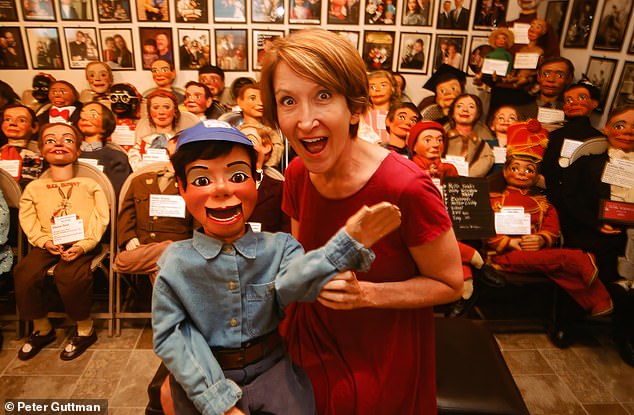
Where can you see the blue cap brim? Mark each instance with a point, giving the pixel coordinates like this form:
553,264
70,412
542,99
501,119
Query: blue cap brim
212,130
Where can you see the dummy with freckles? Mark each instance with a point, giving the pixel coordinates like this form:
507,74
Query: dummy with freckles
426,143
572,269
99,77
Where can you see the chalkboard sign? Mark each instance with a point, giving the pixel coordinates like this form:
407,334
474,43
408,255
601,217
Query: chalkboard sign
469,207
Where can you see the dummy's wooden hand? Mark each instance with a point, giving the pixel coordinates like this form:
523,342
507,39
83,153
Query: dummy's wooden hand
234,411
343,292
609,229
72,253
532,242
515,244
372,223
53,249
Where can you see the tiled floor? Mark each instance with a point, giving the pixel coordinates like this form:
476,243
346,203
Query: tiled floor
586,379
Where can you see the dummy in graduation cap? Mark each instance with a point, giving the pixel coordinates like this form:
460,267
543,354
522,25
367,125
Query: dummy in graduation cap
447,83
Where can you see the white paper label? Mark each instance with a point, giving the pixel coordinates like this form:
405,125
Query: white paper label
459,163
123,135
11,166
499,66
170,206
255,226
520,33
153,155
619,173
550,115
512,221
500,154
526,60
67,231
569,146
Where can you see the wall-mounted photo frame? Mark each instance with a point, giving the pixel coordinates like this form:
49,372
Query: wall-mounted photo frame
624,94
613,24
453,15
12,54
191,11
262,41
193,48
44,48
450,50
378,50
117,49
304,12
267,11
600,72
490,14
38,10
232,51
153,10
417,12
75,10
230,11
477,51
8,11
556,15
580,24
380,12
113,11
414,53
156,43
350,35
343,12
82,46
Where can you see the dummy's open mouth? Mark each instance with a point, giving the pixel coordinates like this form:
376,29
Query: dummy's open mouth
225,215
315,145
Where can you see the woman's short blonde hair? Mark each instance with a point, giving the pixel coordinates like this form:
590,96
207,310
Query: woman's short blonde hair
322,56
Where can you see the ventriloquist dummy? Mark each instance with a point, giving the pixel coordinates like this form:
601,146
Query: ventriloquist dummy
37,97
125,102
21,155
99,77
65,104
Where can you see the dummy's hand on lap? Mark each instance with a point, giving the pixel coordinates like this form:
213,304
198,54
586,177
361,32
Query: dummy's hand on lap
132,244
372,223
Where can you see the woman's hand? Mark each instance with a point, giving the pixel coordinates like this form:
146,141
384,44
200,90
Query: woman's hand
72,253
372,223
343,292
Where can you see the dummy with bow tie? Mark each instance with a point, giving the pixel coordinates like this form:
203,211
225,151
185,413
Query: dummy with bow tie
65,105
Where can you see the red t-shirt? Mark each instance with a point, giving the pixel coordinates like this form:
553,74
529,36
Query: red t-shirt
368,361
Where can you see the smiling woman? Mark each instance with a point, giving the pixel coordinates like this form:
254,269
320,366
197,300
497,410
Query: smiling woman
314,87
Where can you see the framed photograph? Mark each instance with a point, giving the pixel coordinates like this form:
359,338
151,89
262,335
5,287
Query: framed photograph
82,46
75,9
12,53
449,50
350,36
490,14
600,72
378,50
417,12
156,43
624,94
113,11
232,52
44,48
262,40
580,23
191,11
230,11
8,11
153,10
267,11
305,11
477,51
556,15
454,15
343,12
414,52
380,12
613,23
193,48
117,49
40,10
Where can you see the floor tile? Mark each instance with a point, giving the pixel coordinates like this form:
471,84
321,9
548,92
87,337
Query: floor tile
523,341
145,341
547,395
95,388
125,411
629,407
126,341
47,362
107,364
608,366
132,390
526,362
37,387
605,409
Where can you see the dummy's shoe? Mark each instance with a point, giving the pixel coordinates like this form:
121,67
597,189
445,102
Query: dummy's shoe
462,306
78,345
626,350
34,344
560,337
602,309
489,276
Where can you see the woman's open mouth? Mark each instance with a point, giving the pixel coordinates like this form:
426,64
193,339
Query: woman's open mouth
314,145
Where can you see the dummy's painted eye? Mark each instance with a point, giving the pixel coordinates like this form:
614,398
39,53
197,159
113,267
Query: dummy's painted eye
201,181
239,177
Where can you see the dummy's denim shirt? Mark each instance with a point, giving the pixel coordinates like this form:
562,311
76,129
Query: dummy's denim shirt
209,294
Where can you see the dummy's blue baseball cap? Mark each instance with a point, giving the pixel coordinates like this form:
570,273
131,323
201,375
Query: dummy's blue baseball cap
212,130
